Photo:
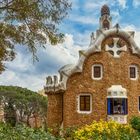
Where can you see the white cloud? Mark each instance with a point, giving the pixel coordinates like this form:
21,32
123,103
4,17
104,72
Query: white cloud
67,51
91,11
22,72
87,11
83,39
96,5
93,5
33,82
136,3
122,3
129,27
137,33
115,16
85,19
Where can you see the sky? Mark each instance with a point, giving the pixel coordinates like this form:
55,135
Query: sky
82,20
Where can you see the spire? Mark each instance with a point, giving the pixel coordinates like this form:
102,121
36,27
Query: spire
105,19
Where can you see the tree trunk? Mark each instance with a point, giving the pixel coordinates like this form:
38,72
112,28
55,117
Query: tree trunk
28,120
35,117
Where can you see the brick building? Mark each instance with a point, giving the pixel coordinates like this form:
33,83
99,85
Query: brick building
105,83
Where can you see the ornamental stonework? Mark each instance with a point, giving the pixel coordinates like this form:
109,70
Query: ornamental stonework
113,96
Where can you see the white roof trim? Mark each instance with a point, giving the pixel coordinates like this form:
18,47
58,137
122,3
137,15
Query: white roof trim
96,47
68,70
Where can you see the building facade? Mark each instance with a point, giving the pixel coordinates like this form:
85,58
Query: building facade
104,84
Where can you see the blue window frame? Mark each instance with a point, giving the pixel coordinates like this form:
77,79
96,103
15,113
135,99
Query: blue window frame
117,106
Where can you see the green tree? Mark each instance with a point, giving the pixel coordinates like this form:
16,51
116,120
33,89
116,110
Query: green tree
135,122
31,23
10,113
24,103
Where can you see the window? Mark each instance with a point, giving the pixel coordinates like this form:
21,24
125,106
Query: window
97,72
117,106
133,72
84,103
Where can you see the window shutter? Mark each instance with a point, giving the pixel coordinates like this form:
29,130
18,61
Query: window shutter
87,103
82,103
124,105
108,106
111,105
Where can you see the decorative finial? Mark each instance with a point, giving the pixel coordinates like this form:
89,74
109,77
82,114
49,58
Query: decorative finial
105,10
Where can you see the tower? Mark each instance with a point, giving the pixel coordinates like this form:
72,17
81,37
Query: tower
105,19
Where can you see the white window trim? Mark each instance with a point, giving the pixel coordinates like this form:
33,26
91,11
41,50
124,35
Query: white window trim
93,72
120,92
136,72
78,105
118,117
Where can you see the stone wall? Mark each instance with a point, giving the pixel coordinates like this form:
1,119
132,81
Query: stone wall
54,113
115,72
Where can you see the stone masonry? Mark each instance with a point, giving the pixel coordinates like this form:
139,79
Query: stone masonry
77,79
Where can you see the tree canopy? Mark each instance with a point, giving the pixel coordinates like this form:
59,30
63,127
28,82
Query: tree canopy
31,23
21,104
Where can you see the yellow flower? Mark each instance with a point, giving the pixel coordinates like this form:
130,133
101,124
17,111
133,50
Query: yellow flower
98,130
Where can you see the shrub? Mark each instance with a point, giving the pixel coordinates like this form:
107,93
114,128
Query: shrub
135,122
103,130
68,133
21,132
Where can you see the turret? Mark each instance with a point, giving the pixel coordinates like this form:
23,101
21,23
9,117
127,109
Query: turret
105,19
